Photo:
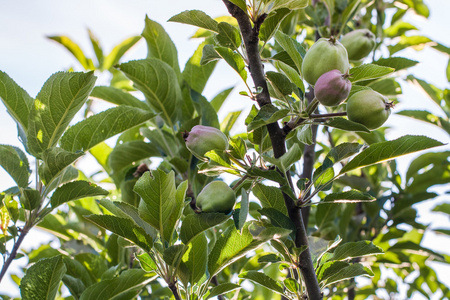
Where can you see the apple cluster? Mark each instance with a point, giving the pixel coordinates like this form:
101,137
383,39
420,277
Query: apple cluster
326,67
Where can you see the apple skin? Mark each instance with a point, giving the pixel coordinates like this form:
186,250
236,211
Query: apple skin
325,55
332,88
202,139
359,43
217,197
368,108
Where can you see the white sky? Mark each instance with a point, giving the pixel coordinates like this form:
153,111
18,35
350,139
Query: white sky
29,58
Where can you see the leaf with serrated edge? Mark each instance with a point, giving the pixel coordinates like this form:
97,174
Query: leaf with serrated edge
42,279
159,206
292,47
14,161
118,51
125,228
76,190
55,161
99,127
223,289
127,153
195,224
262,279
351,196
195,73
117,96
16,100
195,258
228,36
369,71
383,151
355,249
61,97
126,286
197,18
232,244
270,197
159,44
159,84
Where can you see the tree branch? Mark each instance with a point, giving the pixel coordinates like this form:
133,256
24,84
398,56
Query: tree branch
23,233
277,137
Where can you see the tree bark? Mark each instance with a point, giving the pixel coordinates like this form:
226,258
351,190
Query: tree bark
277,137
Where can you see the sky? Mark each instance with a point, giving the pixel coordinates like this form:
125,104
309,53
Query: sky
30,58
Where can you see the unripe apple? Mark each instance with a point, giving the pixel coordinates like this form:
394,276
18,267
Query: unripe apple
368,108
202,139
332,88
325,55
359,43
216,196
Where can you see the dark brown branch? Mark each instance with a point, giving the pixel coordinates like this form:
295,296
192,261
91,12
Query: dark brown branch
173,288
277,137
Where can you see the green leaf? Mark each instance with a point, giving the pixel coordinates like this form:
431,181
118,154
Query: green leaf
386,86
160,206
73,48
125,228
443,208
56,104
233,59
408,41
423,115
76,190
280,84
55,161
194,224
354,249
14,161
262,279
383,151
159,84
369,71
147,263
286,160
338,271
291,4
222,288
125,154
397,63
195,259
351,196
11,205
398,29
426,162
195,73
347,125
292,285
278,219
232,244
208,114
69,174
228,36
271,24
291,73
209,54
97,47
118,51
270,197
159,44
16,100
30,199
99,127
117,96
197,18
433,92
126,286
220,98
240,215
266,115
293,48
42,279
304,134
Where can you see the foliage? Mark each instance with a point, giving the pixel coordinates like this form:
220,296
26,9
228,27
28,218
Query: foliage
321,199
